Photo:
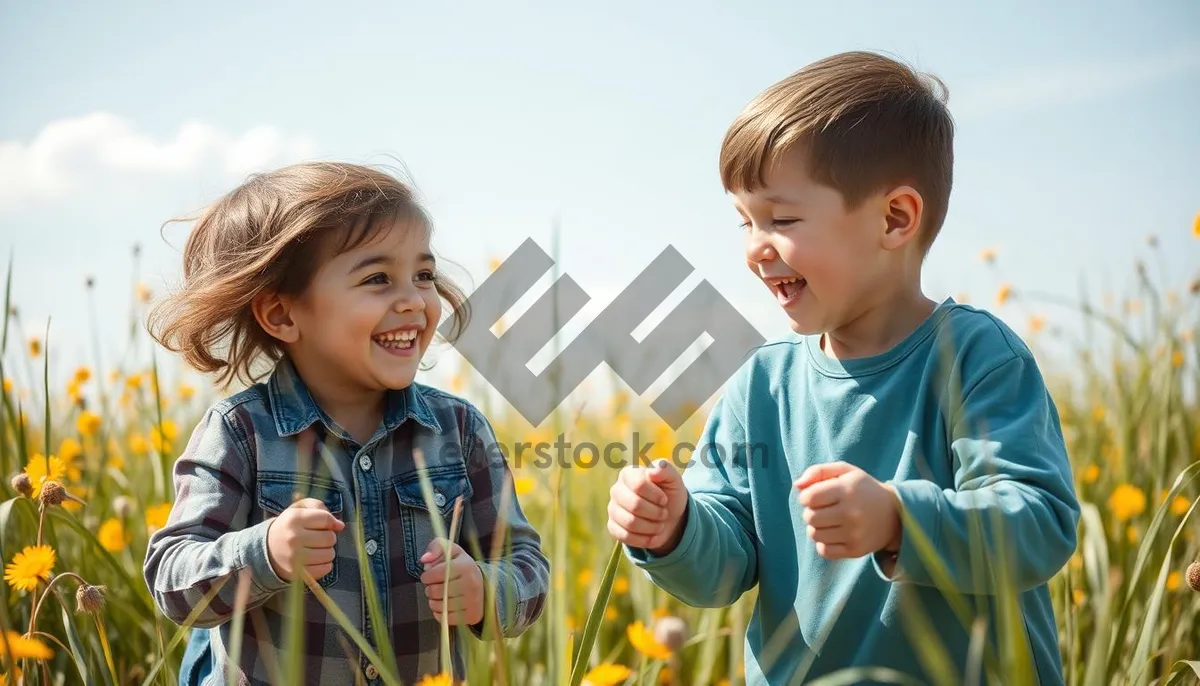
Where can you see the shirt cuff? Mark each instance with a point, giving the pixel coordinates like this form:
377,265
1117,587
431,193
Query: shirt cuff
255,556
922,501
644,559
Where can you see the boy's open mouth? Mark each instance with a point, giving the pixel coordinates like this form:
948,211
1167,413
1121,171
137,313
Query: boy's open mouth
400,339
787,289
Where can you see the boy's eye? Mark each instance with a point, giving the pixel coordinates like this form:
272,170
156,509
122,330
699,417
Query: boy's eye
380,278
784,222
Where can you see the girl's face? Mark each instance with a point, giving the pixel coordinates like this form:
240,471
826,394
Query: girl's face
369,314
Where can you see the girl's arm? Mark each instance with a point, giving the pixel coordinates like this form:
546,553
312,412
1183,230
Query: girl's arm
207,542
519,571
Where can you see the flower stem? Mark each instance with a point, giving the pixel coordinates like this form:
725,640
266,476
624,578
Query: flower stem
37,604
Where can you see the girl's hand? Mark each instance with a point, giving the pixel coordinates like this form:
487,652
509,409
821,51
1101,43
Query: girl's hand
849,513
303,537
465,603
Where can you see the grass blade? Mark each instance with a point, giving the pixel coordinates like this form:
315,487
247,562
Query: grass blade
592,626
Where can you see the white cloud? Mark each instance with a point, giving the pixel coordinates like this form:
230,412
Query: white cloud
1070,83
68,152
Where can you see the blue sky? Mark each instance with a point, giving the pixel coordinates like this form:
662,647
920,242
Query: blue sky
1076,136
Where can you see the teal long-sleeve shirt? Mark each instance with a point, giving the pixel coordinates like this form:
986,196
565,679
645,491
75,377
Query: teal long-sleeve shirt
957,418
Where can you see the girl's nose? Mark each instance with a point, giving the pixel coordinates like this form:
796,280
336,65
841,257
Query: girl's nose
409,300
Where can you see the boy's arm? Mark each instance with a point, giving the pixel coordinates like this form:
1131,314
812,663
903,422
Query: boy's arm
716,559
206,541
1013,485
519,570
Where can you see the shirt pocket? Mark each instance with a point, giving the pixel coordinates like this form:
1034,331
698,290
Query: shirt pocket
277,491
449,482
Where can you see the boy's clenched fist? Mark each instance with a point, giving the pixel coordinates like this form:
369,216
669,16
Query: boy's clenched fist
303,537
646,507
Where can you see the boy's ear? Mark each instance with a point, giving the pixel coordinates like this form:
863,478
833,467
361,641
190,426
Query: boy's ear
273,313
902,216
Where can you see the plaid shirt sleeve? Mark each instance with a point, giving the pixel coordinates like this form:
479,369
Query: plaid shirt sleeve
512,563
206,541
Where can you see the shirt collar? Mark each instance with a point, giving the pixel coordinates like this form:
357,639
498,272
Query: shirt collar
294,409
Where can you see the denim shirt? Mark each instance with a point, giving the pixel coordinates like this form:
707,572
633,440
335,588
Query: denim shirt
254,453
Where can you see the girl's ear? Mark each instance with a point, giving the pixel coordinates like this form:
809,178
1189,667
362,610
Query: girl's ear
273,313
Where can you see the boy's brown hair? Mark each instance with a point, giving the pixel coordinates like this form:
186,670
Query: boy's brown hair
271,234
865,121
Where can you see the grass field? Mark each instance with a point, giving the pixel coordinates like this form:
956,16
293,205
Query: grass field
76,609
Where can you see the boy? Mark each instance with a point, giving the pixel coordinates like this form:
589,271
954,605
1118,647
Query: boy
883,401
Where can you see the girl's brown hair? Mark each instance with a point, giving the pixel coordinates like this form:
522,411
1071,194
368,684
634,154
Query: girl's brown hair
269,235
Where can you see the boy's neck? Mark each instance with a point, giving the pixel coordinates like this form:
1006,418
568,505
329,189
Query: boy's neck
356,410
884,324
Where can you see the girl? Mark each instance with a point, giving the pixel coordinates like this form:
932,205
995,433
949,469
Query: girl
325,272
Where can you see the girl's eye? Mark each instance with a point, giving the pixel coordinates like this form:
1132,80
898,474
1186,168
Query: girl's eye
426,275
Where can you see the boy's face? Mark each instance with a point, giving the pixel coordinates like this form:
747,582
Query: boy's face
370,313
823,263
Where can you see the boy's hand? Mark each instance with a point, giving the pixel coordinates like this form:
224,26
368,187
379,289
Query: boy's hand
849,513
465,604
646,507
303,537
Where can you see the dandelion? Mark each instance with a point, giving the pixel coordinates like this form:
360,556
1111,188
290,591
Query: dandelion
1131,533
161,438
157,516
82,374
138,444
584,578
25,647
1180,505
112,535
8,385
186,392
31,565
35,346
1078,596
88,423
643,640
41,470
1003,294
1092,474
133,382
611,614
436,680
1196,226
607,675
1177,358
1127,502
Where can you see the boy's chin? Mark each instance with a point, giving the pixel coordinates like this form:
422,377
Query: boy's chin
804,326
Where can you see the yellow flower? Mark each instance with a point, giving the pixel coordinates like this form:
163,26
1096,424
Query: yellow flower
524,485
607,675
1078,596
584,578
493,264
88,423
82,374
659,612
1174,580
39,471
31,565
1196,226
69,449
24,647
962,298
620,585
642,639
1092,474
138,445
1177,359
611,614
156,516
1180,505
35,347
1037,323
144,293
1132,534
186,392
8,385
1003,294
116,462
133,381
112,535
1126,502
987,255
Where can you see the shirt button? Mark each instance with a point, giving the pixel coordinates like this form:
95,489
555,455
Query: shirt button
365,463
439,499
372,673
372,546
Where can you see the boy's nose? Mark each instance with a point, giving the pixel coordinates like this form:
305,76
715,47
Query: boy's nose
758,246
